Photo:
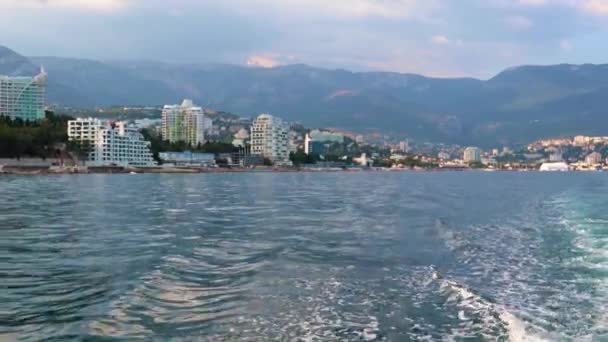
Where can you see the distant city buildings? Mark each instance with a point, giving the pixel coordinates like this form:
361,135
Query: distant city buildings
578,141
270,139
23,97
404,146
472,155
556,157
295,141
184,123
593,159
317,141
443,155
111,143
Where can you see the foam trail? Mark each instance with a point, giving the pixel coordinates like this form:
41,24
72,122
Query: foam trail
493,315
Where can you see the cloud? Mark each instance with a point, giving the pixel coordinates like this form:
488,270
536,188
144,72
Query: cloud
262,62
440,40
340,8
92,5
565,45
518,22
595,7
532,2
599,7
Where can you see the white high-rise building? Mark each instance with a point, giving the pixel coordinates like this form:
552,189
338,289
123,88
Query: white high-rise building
184,122
270,138
23,97
111,143
472,155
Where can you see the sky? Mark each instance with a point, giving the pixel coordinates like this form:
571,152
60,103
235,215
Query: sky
442,38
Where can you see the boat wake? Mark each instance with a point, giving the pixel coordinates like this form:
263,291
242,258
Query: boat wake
480,317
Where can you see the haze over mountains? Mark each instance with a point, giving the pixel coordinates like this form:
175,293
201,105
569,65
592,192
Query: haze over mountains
518,105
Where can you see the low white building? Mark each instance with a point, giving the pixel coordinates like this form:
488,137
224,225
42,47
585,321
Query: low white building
187,159
111,143
560,166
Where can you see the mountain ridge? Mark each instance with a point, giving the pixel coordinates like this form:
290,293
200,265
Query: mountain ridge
517,105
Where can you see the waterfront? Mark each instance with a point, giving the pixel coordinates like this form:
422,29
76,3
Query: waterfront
328,256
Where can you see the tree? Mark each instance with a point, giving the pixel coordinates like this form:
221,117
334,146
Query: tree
81,149
299,158
20,138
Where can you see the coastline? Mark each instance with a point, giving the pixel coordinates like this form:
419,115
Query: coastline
49,171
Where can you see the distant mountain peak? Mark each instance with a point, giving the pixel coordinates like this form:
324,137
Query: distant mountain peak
14,64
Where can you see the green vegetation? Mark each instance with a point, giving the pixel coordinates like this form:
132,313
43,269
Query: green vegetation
40,139
114,113
476,165
300,158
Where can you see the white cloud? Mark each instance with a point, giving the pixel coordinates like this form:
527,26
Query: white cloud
440,40
533,2
595,7
341,8
92,5
518,22
565,45
599,7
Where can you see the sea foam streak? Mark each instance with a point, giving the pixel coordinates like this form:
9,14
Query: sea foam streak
494,317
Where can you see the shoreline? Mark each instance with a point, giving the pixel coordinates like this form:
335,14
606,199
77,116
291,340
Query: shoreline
46,171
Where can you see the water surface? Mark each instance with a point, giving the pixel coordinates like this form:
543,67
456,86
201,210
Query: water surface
310,256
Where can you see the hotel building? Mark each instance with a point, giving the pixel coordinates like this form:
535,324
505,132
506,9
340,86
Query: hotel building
472,155
270,139
23,97
184,123
111,143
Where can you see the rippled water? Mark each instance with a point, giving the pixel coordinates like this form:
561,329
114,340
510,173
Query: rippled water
371,256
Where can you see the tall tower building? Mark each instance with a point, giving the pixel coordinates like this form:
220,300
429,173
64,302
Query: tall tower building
270,138
23,97
184,122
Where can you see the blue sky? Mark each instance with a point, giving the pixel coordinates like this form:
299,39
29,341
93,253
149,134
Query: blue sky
443,38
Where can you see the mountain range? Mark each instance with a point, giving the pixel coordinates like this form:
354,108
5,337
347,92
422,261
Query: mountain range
518,105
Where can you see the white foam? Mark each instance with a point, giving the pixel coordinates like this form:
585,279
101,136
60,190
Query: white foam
517,329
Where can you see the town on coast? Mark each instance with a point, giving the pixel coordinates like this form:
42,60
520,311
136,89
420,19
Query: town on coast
187,138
